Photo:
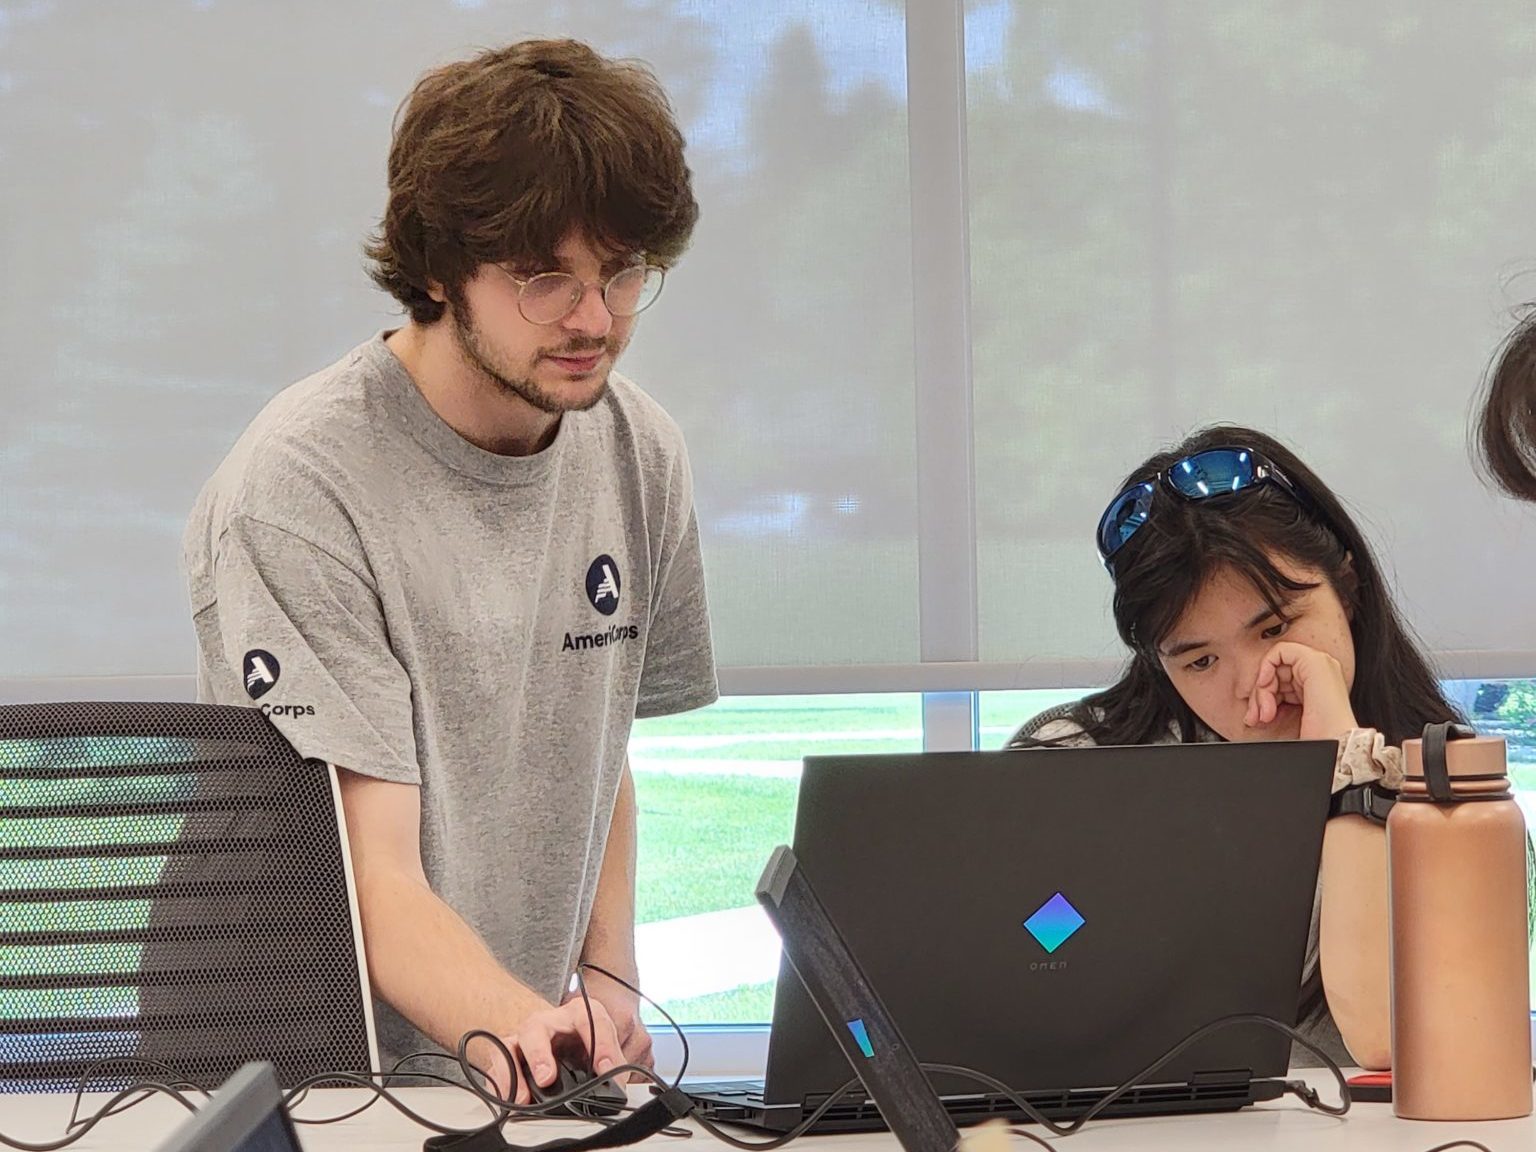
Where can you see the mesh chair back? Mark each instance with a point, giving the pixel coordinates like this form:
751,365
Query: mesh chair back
173,888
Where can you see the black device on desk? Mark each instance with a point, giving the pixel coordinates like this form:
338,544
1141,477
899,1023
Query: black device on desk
246,1114
1057,918
852,1010
601,1099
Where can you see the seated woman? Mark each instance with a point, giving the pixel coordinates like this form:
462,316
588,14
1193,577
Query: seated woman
1254,610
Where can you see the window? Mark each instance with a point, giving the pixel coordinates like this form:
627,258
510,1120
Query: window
716,792
1134,219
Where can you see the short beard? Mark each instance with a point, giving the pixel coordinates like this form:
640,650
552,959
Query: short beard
473,348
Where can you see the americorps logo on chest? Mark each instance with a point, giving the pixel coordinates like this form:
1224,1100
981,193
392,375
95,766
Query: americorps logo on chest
605,591
603,584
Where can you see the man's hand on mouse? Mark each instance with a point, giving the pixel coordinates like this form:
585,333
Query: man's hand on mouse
624,1010
537,1039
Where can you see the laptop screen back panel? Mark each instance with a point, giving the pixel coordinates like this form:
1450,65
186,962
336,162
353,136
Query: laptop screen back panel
1058,919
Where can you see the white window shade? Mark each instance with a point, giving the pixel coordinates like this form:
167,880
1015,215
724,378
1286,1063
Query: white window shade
186,189
1312,220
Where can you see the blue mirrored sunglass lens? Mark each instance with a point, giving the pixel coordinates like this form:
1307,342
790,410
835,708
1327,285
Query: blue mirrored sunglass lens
1213,473
1128,513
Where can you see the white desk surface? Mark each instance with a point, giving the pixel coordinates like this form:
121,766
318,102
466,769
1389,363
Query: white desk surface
1279,1126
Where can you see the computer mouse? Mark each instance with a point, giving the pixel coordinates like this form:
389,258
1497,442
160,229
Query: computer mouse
601,1099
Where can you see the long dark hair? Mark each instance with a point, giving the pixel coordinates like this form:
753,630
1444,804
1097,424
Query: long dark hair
1506,431
1163,567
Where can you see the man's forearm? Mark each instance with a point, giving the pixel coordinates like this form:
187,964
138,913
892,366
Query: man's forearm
431,967
610,939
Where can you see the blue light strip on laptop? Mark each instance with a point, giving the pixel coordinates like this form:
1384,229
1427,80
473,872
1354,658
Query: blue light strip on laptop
862,1036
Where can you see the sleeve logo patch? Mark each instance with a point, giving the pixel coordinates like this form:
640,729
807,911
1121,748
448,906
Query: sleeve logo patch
261,671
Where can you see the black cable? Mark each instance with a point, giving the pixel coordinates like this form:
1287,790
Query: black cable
108,1109
298,1093
119,1109
682,1036
142,1089
725,1137
506,1111
591,1066
357,1080
794,1133
1303,1091
586,1000
709,1126
164,1071
358,1111
501,1106
541,1109
502,1111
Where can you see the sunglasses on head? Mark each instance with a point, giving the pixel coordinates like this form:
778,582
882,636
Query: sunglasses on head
1201,476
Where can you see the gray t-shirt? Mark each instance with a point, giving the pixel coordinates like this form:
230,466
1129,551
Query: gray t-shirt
411,607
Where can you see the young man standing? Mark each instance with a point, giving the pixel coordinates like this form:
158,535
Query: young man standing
460,561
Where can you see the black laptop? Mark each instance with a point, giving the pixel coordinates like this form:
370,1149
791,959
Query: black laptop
1057,918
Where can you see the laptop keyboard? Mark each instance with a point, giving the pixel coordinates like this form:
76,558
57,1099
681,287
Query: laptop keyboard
749,1091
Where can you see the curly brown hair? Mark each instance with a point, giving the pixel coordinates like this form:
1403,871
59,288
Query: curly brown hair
499,157
1506,430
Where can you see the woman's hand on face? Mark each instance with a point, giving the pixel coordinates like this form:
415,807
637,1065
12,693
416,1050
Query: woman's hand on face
1309,679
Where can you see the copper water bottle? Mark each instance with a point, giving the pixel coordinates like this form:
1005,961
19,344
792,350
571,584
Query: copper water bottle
1461,1025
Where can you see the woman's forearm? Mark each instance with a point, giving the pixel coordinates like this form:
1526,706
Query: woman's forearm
1353,938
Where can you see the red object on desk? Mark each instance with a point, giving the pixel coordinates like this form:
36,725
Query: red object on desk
1371,1087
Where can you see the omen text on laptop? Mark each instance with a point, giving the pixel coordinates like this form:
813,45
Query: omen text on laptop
1057,918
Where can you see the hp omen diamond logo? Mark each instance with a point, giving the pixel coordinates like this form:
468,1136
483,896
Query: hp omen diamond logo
603,585
261,673
1054,922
